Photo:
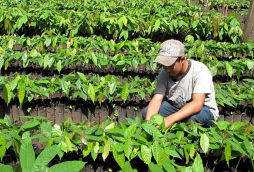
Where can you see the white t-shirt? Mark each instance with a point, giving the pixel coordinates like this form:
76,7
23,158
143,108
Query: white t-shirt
198,79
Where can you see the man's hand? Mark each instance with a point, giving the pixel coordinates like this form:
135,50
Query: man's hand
189,109
154,106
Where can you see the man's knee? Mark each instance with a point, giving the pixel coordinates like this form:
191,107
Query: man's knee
144,112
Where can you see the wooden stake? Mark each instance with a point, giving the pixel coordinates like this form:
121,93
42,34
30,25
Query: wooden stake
248,29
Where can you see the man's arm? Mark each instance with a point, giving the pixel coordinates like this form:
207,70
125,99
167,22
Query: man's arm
189,109
154,105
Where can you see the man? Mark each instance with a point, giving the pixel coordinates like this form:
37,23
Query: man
184,89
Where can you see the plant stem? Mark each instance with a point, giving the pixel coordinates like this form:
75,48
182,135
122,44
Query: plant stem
238,163
206,163
214,166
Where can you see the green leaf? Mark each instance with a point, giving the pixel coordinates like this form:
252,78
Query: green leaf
47,155
157,25
156,151
1,61
227,152
68,166
249,63
237,147
125,92
34,53
106,149
7,120
146,154
229,69
168,166
91,92
6,64
65,86
130,131
29,124
87,149
10,44
119,157
69,144
7,93
163,156
2,147
192,151
59,66
46,128
46,61
154,167
22,92
204,142
27,155
222,125
216,135
198,164
236,125
6,168
128,147
100,96
121,62
82,76
94,58
47,42
152,130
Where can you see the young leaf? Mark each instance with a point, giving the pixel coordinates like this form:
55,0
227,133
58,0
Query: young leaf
229,69
106,149
59,66
125,92
168,165
130,131
128,147
27,155
2,147
152,130
100,96
68,166
192,151
227,152
46,61
146,154
7,93
69,144
94,58
10,44
204,142
6,168
154,167
155,151
1,61
91,92
87,149
22,91
7,120
47,155
198,164
163,156
119,157
6,64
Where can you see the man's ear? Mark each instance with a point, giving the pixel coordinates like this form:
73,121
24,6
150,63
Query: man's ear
182,59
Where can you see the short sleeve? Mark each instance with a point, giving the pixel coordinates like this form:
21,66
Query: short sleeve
162,81
203,81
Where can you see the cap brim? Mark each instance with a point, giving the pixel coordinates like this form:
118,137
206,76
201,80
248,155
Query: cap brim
166,61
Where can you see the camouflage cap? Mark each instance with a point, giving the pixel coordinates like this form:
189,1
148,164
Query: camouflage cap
169,51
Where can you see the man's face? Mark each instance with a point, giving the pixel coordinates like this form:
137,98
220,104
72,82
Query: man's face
176,69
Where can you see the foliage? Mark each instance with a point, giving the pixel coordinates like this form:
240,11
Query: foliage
133,138
132,21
